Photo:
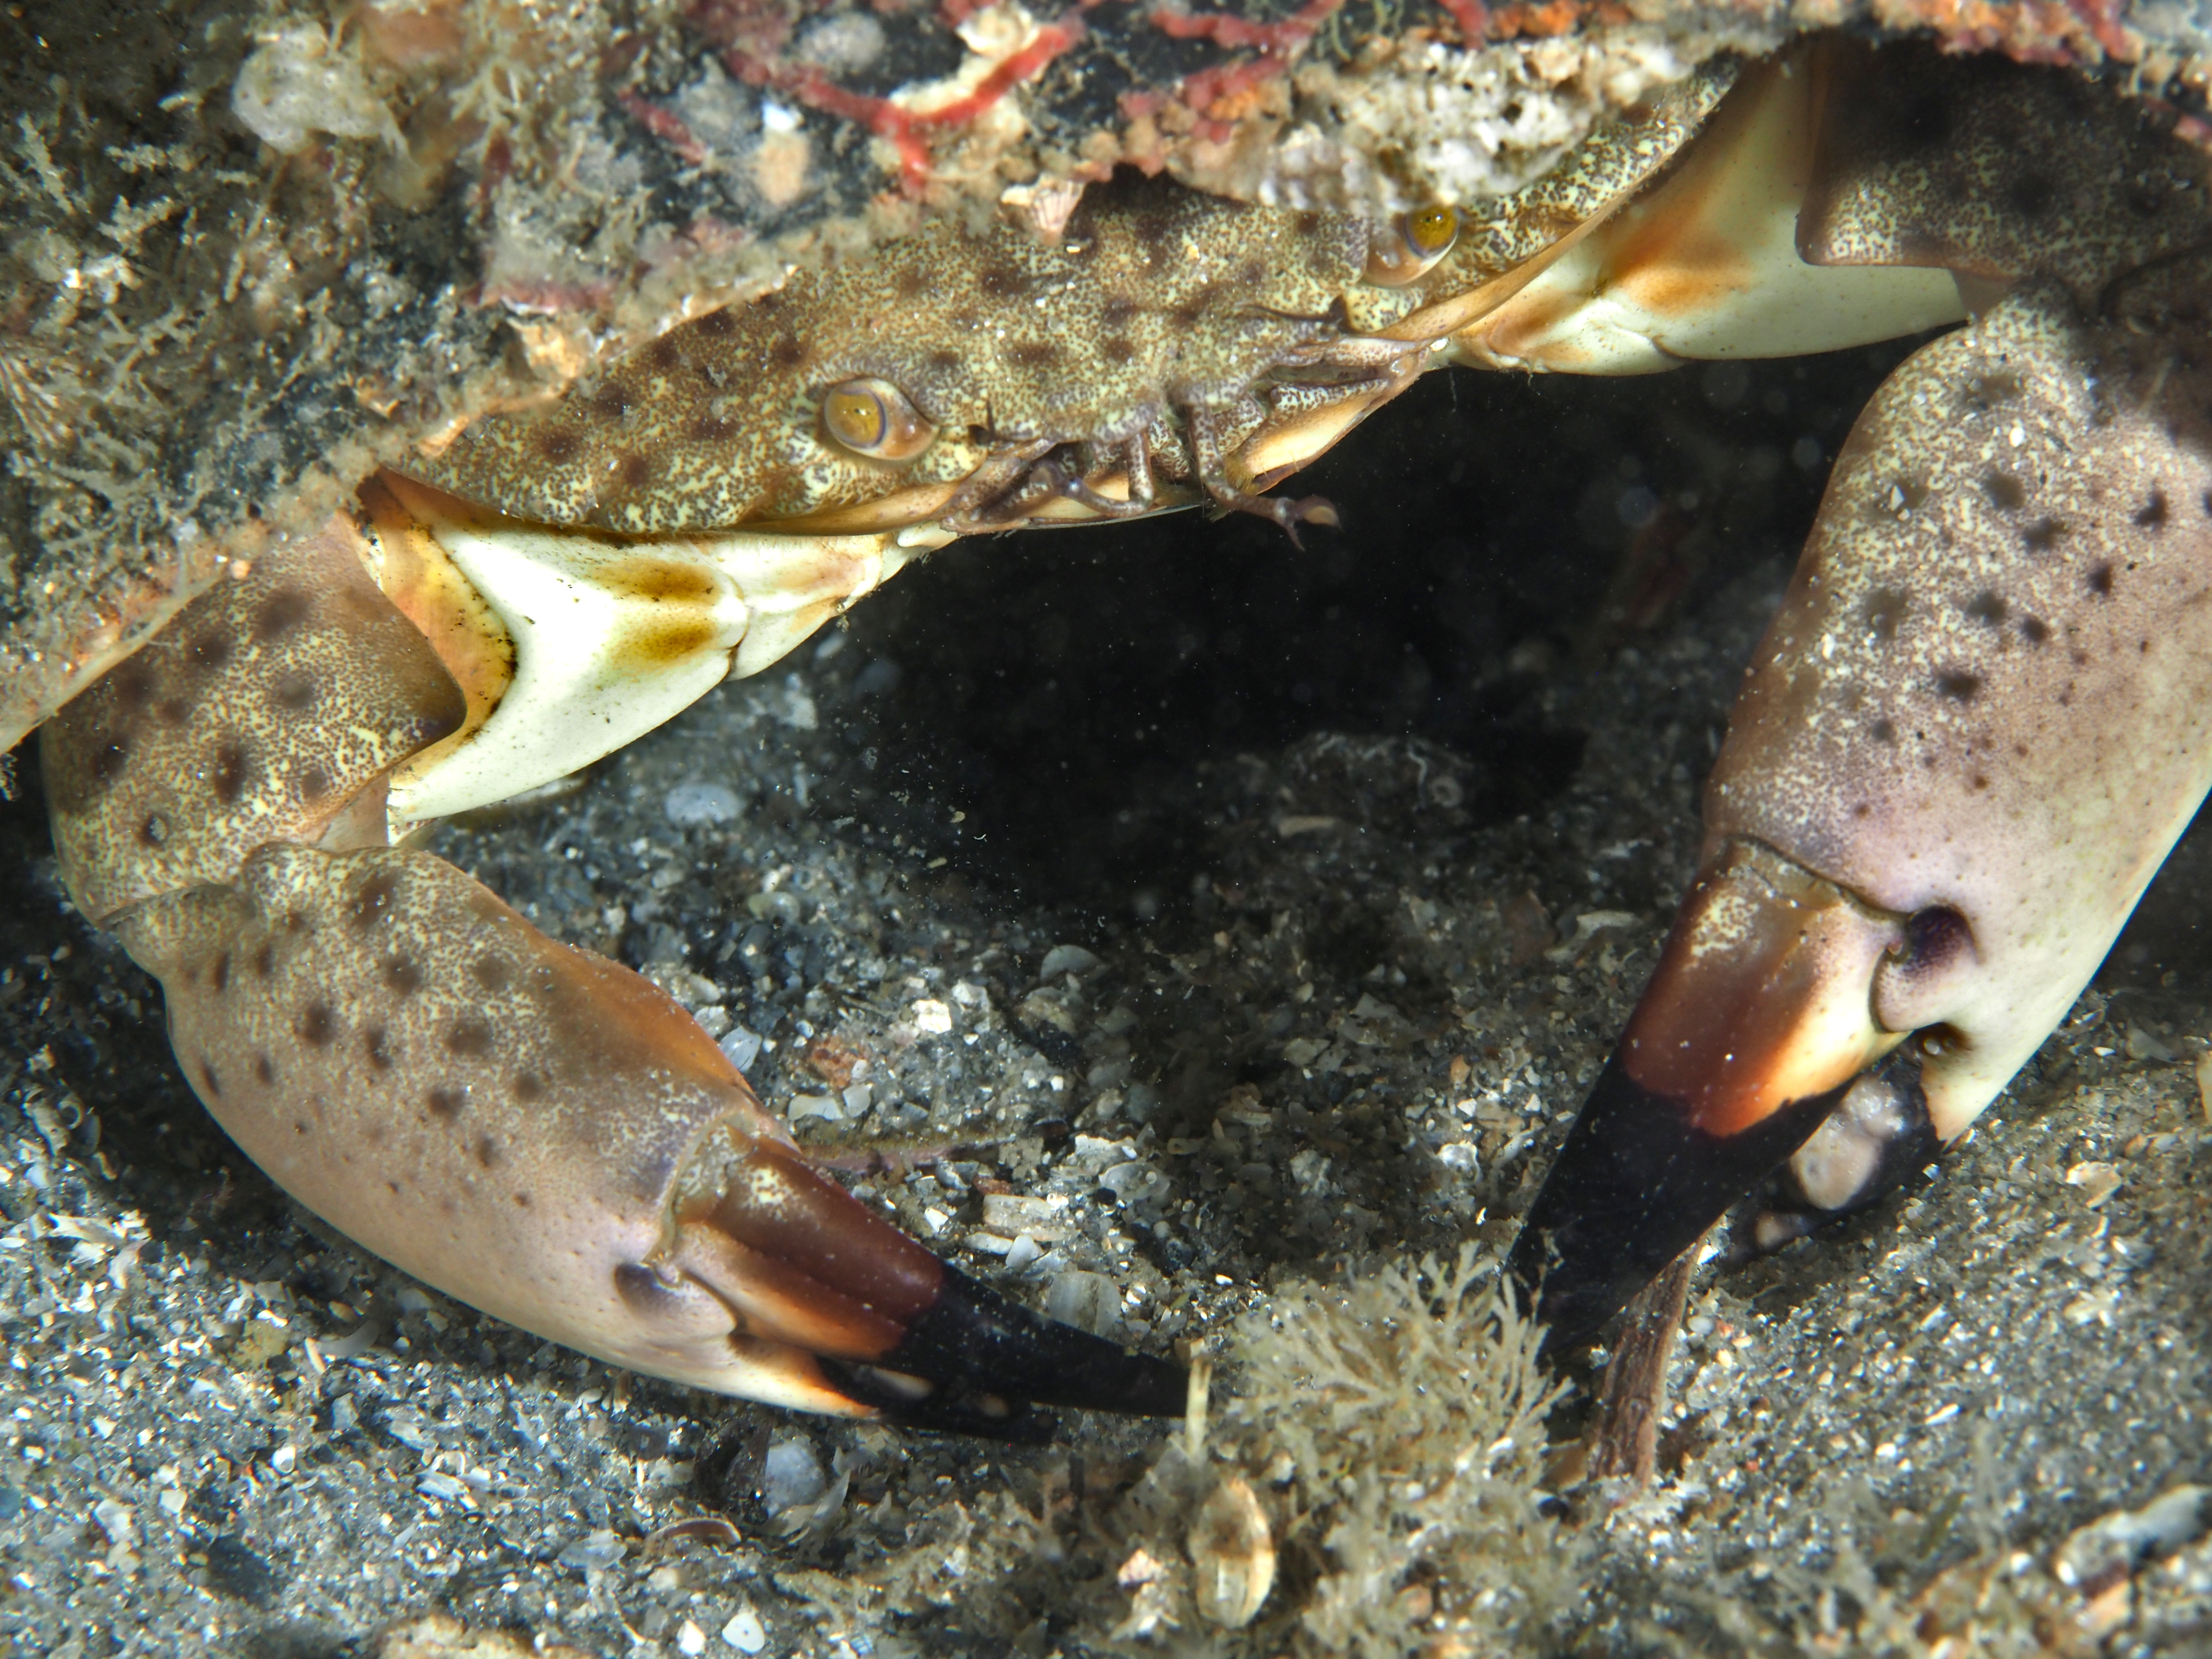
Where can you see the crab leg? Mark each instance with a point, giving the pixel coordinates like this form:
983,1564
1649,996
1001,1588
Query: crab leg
1979,721
534,1130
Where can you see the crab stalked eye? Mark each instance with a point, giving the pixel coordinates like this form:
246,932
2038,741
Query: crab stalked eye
1410,244
874,418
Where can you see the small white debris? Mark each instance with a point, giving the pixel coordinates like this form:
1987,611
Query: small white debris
797,710
776,905
1022,1252
807,1106
594,1553
1460,1155
440,1484
690,1640
1064,959
859,1099
740,1046
744,1632
296,86
117,1522
1139,1569
791,1474
1087,1301
931,1018
1232,1555
2098,1181
690,805
1134,1181
2146,1045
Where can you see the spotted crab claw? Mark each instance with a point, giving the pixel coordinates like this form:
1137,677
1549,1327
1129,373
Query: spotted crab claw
543,1135
534,1130
1980,720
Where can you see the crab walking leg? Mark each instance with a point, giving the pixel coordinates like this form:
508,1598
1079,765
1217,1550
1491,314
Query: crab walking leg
1977,726
534,1130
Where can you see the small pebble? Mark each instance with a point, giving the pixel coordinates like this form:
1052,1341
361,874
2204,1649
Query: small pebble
1232,1555
2097,1179
744,1632
690,1640
594,1553
1064,959
689,805
791,1475
741,1047
1087,1301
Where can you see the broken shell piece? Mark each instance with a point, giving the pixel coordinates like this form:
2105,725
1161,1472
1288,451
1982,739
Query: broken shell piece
1232,1555
1044,208
2097,1179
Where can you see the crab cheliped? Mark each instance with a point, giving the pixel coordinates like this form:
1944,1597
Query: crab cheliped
1965,746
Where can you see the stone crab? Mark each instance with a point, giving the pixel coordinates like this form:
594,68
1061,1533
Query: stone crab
554,581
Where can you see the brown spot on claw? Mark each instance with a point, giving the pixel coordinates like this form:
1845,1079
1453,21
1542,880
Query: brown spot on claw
280,613
318,1024
371,900
469,1035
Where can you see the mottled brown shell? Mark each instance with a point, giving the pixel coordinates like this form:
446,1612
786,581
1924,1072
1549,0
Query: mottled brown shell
219,314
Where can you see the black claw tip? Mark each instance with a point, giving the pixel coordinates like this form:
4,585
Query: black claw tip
1634,1186
986,1360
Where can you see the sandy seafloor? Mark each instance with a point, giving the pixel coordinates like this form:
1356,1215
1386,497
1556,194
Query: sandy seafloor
1328,819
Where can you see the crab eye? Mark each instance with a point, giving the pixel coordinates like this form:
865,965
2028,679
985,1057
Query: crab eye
1411,243
874,418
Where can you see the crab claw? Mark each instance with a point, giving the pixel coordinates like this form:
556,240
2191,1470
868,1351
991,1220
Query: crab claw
1754,1023
1973,731
544,1135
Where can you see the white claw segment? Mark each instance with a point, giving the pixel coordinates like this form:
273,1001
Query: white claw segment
1986,702
1706,264
608,636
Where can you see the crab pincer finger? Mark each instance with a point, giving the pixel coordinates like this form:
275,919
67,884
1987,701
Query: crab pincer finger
1980,720
543,1134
